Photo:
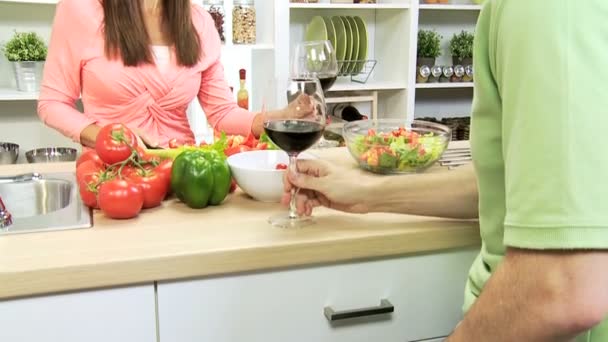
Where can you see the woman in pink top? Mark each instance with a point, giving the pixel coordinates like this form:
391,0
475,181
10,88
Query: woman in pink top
105,51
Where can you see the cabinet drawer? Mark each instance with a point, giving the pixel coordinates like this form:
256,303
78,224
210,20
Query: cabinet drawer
426,292
123,314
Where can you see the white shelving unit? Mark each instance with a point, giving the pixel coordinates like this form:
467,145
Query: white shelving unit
8,94
321,5
392,27
47,2
444,85
450,7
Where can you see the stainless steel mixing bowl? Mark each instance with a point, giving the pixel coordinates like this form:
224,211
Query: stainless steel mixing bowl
51,155
9,153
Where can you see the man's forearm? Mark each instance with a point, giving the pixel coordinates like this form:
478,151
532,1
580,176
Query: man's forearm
537,297
446,194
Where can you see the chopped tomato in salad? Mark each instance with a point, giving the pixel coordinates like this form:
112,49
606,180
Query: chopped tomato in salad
400,149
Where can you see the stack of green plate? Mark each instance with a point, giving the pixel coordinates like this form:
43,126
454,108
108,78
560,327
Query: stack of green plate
349,37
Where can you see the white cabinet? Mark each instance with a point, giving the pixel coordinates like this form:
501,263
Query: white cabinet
426,292
125,314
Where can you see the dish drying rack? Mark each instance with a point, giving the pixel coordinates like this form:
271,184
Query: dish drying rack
357,76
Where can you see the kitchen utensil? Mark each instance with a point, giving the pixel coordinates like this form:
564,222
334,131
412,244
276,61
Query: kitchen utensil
363,43
294,136
355,55
331,32
9,153
316,29
340,38
256,174
349,45
51,155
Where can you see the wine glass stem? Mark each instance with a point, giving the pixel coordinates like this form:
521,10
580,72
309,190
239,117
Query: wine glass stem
293,169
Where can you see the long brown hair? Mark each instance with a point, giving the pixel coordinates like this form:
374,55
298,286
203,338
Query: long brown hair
126,36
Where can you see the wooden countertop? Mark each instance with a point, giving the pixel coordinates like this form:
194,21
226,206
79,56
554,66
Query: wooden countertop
175,242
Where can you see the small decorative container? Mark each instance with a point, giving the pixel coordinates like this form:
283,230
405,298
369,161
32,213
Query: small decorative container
243,22
217,12
28,75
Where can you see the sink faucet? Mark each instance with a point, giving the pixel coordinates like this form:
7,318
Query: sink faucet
5,217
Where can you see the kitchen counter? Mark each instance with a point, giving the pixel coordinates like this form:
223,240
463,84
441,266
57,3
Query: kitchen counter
175,242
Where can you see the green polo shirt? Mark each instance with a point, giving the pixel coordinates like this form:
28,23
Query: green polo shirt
540,130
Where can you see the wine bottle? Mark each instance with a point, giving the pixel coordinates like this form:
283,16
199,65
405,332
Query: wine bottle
242,97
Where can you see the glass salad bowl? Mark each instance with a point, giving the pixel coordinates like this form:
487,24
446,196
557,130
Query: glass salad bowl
393,146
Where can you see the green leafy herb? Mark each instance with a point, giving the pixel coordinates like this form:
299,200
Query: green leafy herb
461,45
25,47
429,44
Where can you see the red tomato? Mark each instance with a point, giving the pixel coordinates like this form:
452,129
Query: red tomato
232,186
88,168
115,143
236,149
153,186
88,190
173,143
262,146
281,166
203,144
120,199
127,170
251,141
89,155
371,132
164,169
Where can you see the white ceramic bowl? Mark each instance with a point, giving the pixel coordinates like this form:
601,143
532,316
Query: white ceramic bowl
255,173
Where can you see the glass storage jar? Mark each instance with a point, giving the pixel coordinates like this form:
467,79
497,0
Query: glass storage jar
243,22
216,9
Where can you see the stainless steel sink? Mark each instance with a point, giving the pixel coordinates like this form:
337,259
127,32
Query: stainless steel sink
43,202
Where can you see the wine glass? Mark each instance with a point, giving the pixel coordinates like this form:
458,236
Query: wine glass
296,135
316,59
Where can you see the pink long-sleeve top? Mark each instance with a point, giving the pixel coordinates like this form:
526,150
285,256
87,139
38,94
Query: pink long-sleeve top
142,97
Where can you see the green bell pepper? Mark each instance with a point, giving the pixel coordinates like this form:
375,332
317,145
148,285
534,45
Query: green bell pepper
200,178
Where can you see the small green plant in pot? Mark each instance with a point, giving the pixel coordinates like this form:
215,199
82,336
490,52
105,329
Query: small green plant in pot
27,52
429,47
461,48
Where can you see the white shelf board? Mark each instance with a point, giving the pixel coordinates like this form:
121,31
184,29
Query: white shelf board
8,94
343,99
444,85
346,85
241,47
50,2
453,7
348,6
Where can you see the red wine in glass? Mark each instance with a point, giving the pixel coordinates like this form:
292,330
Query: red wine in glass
294,136
327,81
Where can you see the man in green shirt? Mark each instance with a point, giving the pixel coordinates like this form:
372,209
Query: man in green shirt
538,141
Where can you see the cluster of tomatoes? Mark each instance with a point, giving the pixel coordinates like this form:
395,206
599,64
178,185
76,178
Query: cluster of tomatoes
118,177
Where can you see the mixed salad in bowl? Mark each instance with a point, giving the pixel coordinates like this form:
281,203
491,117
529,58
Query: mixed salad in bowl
391,146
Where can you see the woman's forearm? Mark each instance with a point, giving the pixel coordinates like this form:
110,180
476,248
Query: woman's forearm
446,194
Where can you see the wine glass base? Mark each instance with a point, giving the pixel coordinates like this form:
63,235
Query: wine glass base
285,221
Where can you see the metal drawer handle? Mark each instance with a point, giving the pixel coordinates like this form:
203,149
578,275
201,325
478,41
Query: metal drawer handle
384,308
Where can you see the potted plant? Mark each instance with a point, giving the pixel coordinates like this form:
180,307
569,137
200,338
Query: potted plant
429,47
27,52
461,48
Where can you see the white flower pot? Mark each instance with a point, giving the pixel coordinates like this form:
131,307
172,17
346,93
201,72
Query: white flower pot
28,75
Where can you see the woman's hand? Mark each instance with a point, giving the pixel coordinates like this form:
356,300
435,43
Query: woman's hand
301,107
324,184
